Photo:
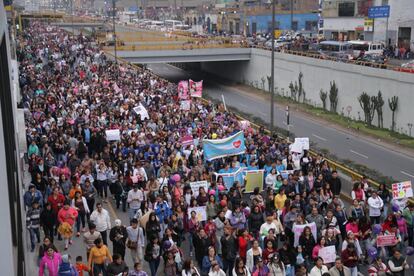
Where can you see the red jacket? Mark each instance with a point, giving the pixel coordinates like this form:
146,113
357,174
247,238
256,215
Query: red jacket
346,254
68,215
56,203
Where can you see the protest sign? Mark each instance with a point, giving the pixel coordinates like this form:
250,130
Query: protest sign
298,229
285,174
185,105
113,135
116,88
254,179
218,148
141,110
196,89
328,254
402,190
303,142
231,177
195,186
183,90
201,213
244,125
386,240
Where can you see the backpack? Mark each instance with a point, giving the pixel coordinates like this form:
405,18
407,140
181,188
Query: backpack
66,269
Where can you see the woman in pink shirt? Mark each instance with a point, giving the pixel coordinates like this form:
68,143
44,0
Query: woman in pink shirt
402,225
316,248
352,225
49,264
67,218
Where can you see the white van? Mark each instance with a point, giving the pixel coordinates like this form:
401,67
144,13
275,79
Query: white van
368,47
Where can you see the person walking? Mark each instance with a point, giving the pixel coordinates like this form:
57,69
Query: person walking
101,219
66,268
48,221
49,264
153,254
80,204
33,224
135,197
89,238
67,217
99,256
136,241
117,267
118,235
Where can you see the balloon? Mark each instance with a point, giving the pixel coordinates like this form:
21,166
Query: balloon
212,192
221,188
377,229
409,251
167,245
395,207
372,252
176,177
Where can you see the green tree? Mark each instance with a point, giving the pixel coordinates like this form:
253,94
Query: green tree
333,96
379,105
393,104
367,104
323,95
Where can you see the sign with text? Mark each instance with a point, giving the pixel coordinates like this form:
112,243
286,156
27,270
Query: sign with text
386,240
379,11
402,190
328,254
113,135
195,186
254,179
183,90
196,88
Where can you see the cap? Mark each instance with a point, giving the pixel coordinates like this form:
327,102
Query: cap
65,258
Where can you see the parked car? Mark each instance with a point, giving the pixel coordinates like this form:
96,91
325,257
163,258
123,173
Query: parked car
372,60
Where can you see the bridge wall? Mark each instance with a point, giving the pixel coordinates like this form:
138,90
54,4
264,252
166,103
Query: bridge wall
351,81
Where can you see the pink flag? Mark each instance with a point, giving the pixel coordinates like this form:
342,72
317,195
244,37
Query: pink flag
183,90
196,89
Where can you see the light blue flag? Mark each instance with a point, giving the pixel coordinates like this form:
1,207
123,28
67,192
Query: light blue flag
233,145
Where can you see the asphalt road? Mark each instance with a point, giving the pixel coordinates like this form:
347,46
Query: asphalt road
344,145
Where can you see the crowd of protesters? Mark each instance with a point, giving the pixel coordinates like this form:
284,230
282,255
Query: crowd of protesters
74,93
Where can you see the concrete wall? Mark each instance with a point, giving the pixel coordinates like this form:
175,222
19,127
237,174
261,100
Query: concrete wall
351,80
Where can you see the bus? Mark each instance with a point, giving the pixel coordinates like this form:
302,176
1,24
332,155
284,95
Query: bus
376,48
338,49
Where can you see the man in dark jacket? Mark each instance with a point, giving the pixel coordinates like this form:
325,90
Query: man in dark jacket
117,266
335,183
229,250
118,235
201,244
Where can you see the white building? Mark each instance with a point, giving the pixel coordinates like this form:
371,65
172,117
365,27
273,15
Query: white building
345,20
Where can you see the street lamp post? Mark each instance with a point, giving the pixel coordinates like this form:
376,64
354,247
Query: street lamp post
272,69
113,23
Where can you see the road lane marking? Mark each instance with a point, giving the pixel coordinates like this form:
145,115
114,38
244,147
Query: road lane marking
406,173
319,137
360,154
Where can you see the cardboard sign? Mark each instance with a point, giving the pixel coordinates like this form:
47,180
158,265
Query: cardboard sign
201,213
328,254
386,240
195,186
113,135
254,178
402,190
303,142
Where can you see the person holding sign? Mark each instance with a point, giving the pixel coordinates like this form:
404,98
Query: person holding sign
375,204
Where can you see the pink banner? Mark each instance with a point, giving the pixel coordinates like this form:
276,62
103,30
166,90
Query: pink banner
183,90
196,89
386,240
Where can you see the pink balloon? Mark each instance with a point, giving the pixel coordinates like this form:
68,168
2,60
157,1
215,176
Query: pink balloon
212,192
176,177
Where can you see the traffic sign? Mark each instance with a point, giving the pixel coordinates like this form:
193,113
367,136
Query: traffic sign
379,11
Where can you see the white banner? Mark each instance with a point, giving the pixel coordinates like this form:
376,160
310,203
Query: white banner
141,110
113,135
298,229
195,186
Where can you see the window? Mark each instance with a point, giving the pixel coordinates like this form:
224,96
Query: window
346,9
295,25
311,25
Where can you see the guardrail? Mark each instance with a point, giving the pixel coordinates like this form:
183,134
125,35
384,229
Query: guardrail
171,47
